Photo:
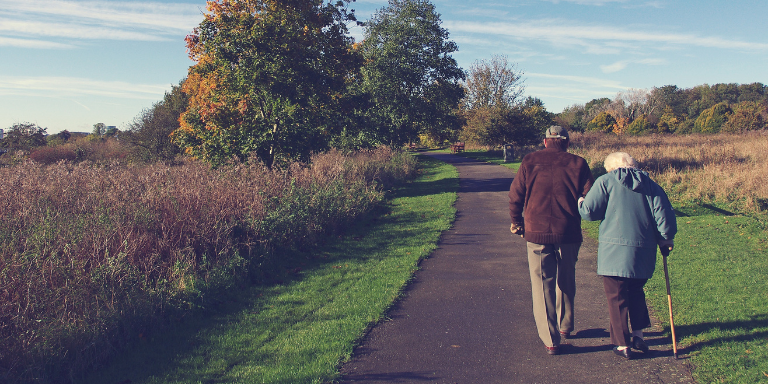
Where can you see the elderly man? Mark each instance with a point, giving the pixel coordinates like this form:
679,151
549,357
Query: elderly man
543,208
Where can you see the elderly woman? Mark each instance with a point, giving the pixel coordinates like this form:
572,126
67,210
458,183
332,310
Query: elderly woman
636,217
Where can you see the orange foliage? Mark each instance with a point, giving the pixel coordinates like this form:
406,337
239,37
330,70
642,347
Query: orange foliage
620,125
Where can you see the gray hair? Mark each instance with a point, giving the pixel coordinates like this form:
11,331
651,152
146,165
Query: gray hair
619,160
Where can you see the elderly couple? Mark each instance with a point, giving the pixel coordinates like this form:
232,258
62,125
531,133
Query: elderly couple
552,191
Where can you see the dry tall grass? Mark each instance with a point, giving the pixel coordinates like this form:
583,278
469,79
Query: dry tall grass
90,254
729,169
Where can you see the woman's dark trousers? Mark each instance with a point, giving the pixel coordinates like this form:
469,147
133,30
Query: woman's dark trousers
626,305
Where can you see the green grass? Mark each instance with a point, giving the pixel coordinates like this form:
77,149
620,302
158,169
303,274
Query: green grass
300,331
718,278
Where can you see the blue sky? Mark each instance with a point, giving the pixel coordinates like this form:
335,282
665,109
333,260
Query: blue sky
69,64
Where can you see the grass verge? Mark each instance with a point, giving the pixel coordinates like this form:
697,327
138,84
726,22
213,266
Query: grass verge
301,330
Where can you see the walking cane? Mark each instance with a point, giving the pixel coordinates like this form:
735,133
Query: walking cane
665,252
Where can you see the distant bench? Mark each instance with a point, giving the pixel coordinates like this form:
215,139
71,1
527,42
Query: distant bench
457,147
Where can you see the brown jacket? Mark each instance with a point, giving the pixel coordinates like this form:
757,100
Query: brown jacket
544,194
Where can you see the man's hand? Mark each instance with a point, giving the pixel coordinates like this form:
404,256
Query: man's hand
517,229
581,199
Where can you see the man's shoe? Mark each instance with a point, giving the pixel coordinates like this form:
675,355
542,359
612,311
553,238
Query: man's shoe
625,353
553,350
639,344
565,335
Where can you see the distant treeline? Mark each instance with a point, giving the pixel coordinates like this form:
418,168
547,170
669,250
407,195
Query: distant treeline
669,109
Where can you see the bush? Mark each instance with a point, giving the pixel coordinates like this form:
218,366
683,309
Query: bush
603,122
50,155
712,119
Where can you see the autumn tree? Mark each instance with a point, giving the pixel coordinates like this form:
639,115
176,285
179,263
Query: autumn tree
410,75
268,78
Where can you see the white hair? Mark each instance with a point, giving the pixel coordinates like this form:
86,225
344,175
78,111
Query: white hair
619,160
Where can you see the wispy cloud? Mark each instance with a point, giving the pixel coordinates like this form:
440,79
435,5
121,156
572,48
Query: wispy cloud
73,31
29,43
598,38
620,65
50,86
26,23
587,2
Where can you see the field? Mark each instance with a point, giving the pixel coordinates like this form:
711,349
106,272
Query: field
73,278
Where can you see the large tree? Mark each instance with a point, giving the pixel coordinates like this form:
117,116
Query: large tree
268,79
410,75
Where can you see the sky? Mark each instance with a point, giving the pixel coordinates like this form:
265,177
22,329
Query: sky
69,64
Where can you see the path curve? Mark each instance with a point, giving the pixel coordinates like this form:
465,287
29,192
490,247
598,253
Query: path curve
466,316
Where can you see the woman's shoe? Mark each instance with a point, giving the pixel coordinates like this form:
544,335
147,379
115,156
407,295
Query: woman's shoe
625,353
639,344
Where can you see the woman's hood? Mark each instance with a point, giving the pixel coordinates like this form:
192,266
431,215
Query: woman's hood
633,179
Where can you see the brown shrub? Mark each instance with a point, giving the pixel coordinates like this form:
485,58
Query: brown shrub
50,155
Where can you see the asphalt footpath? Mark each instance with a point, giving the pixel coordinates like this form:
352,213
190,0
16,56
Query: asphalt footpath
466,316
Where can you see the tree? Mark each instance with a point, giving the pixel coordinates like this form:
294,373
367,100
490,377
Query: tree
712,119
535,120
410,76
638,126
594,108
495,114
668,96
572,118
24,137
111,132
99,129
268,79
603,122
747,116
753,92
669,122
493,83
521,124
150,132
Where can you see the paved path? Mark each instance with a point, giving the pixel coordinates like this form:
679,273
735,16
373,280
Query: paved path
466,317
